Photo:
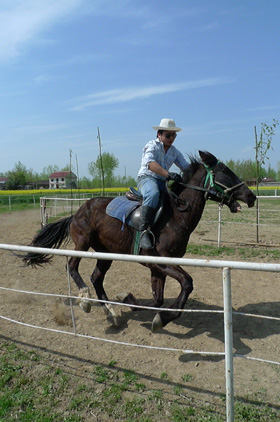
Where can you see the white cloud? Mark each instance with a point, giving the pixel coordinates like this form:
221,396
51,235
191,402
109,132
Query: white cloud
41,79
35,129
133,93
22,21
11,93
264,108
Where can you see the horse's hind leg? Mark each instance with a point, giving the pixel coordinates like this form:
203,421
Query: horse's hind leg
84,293
97,278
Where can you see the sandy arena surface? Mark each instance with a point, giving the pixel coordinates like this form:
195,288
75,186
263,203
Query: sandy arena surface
252,292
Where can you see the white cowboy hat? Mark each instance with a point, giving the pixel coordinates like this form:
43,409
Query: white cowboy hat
167,124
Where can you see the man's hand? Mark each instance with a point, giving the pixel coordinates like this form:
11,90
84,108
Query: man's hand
174,176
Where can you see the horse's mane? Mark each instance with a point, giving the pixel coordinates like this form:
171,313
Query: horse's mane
194,162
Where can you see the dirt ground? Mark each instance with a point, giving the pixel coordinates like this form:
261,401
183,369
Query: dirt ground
252,292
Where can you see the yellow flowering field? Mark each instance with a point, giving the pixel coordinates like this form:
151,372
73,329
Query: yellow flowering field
60,191
95,190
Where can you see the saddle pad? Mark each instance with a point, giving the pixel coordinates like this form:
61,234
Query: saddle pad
121,208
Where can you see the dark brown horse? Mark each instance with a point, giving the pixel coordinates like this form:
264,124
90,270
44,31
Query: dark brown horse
91,227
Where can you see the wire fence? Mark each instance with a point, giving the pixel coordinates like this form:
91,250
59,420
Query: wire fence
225,266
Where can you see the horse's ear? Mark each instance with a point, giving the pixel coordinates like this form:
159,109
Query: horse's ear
208,159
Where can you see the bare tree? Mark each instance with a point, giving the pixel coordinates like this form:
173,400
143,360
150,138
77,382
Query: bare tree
262,146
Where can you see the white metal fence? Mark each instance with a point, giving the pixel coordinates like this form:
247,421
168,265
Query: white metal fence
58,206
53,206
253,225
225,266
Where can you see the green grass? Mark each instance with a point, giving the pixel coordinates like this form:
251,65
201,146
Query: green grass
234,253
18,207
34,388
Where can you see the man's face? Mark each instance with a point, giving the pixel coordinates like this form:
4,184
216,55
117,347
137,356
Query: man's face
167,138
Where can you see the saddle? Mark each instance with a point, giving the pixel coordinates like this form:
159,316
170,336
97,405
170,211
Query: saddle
135,217
127,208
134,195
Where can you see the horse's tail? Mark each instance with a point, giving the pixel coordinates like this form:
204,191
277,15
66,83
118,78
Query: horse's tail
53,235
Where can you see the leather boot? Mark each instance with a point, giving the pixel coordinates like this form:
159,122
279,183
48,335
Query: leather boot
146,236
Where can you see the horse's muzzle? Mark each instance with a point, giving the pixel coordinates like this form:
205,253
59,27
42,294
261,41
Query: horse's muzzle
251,200
234,206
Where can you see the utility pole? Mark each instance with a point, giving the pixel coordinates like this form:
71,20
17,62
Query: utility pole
101,164
70,152
77,172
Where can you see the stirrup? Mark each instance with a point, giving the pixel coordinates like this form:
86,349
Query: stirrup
152,243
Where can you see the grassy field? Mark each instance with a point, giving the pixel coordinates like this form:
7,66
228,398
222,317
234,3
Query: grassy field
35,388
240,253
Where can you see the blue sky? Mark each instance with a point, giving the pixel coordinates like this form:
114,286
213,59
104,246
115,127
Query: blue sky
70,66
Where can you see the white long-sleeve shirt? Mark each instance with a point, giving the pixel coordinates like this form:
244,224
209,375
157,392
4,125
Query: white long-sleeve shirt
154,151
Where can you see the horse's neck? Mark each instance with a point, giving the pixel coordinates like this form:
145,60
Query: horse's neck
198,179
196,198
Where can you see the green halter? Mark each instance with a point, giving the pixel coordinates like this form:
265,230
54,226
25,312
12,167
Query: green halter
213,190
221,192
210,178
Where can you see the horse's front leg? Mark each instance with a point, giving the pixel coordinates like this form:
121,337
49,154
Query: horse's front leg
164,317
157,284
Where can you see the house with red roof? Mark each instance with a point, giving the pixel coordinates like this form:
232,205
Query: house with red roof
63,180
3,182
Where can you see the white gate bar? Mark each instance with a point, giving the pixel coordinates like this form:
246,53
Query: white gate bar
252,266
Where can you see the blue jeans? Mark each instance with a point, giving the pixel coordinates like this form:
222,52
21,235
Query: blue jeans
150,189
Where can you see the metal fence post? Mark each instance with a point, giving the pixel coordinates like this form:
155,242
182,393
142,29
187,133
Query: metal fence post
228,344
220,226
258,219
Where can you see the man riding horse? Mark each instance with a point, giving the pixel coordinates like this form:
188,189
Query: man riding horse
158,156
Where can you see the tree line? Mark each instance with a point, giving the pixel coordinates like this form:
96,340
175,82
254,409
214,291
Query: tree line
102,170
20,176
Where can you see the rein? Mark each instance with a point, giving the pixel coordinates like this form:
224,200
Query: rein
215,191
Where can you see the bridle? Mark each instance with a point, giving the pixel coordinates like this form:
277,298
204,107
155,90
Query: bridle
215,191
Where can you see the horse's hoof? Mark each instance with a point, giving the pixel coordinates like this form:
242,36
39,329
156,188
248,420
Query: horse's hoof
121,297
112,318
85,305
83,302
157,324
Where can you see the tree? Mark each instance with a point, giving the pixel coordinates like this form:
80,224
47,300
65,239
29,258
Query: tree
262,146
271,173
67,168
85,183
246,169
278,170
47,171
124,181
109,163
17,177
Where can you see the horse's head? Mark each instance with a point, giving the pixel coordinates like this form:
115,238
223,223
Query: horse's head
224,185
